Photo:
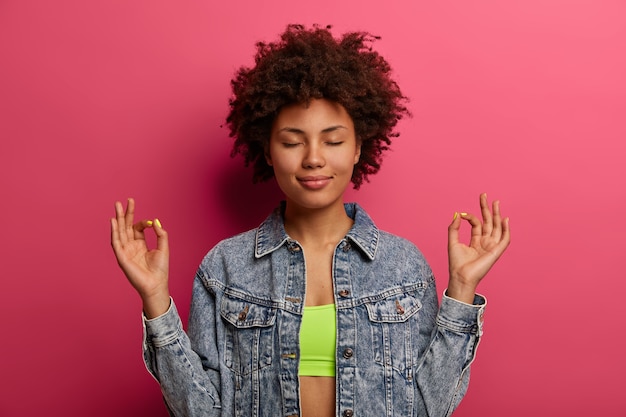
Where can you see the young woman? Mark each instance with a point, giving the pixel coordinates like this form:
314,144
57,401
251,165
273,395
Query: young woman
316,312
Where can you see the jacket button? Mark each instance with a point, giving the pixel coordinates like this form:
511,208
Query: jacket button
243,313
344,293
348,413
348,354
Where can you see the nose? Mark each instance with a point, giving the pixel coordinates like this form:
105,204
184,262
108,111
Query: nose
314,156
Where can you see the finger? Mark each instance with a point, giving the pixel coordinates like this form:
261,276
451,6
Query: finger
115,235
162,240
453,230
476,233
121,223
139,227
506,233
130,215
497,221
486,213
116,242
504,242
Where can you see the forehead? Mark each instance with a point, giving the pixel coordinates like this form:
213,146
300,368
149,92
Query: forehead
317,114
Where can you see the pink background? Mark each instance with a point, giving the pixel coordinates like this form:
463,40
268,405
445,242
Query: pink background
101,100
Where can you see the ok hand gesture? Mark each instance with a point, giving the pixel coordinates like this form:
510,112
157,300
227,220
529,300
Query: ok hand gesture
468,264
146,269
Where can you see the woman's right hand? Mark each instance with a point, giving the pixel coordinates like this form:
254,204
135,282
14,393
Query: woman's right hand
146,269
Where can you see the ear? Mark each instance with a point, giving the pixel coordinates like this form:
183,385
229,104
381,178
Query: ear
268,157
357,153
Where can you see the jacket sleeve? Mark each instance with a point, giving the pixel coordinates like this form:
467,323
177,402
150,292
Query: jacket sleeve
454,334
189,380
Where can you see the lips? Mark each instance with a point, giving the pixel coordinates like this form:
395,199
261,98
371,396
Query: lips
314,182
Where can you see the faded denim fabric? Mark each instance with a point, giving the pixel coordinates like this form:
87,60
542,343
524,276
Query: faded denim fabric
398,353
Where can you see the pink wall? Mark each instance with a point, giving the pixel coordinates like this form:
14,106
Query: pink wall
100,100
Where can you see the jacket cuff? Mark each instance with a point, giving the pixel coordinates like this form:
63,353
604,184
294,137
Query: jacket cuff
462,317
164,329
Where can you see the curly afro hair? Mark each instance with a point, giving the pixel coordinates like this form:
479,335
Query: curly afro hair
307,64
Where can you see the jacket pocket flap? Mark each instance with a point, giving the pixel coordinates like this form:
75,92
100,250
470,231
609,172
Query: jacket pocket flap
244,314
394,309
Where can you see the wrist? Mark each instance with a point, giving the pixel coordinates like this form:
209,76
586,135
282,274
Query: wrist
156,305
461,292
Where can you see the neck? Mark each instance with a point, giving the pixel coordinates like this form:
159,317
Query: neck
319,226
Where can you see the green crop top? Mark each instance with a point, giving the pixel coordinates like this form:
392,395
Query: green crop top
318,341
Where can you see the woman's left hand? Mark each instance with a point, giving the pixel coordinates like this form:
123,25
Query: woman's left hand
469,264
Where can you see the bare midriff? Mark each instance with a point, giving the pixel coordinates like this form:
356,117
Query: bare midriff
317,396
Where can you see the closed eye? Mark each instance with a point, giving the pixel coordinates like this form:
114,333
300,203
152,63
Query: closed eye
290,144
334,143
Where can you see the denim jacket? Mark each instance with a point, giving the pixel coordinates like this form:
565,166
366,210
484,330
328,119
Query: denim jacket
398,353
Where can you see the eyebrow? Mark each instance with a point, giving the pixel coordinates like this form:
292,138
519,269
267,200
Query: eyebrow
301,132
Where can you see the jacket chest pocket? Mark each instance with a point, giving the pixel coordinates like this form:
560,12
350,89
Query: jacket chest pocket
395,328
249,338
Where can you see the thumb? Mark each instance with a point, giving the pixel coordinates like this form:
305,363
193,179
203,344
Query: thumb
453,230
162,241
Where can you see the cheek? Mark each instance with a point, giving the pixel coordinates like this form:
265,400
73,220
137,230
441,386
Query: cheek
345,162
281,165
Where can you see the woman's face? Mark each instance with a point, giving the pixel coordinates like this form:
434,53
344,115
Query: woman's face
313,150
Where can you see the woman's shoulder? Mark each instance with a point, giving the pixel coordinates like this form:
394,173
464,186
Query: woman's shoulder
229,256
245,245
392,242
235,244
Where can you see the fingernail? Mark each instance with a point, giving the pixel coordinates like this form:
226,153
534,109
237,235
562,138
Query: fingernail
463,214
149,223
455,215
158,223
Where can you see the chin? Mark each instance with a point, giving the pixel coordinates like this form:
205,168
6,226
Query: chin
315,202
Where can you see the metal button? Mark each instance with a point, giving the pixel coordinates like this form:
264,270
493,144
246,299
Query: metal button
344,293
348,353
244,313
348,413
399,308
347,247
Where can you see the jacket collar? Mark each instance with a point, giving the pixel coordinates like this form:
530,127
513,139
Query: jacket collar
271,233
